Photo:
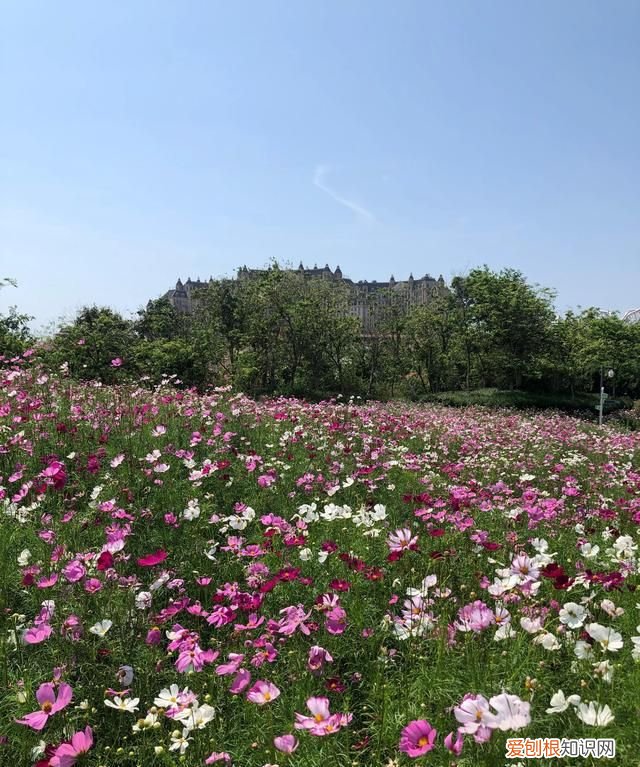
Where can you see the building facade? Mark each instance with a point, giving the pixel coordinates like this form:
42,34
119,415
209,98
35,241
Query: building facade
365,297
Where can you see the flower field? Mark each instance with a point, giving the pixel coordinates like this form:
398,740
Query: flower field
205,579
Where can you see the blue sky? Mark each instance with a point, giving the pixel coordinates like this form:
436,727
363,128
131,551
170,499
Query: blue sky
143,141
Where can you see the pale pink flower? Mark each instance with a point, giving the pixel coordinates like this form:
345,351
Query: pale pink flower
286,743
402,540
263,692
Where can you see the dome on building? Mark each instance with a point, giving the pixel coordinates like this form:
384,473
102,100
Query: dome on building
632,316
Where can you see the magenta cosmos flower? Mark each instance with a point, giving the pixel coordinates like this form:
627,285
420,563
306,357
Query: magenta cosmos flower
153,559
322,721
263,692
67,753
49,705
417,738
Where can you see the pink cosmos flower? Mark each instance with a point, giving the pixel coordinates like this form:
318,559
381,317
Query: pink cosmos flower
74,571
295,618
475,616
286,743
474,713
240,682
417,738
336,620
49,705
231,666
92,585
47,581
218,756
318,656
37,634
322,721
150,560
55,474
455,746
67,753
263,692
319,708
116,362
402,540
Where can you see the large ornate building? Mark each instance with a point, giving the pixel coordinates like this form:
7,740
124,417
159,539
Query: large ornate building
364,296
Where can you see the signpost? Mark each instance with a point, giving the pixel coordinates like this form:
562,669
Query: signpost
603,394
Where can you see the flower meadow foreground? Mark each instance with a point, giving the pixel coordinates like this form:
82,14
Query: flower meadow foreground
193,579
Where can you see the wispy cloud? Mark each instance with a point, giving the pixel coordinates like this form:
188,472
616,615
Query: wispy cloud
319,176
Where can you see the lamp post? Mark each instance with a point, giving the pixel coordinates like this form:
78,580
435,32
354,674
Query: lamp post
603,396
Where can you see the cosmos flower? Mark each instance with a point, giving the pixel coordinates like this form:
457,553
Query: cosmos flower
101,628
37,634
572,615
286,743
50,704
607,638
263,692
595,714
128,705
402,540
150,560
417,738
559,703
66,754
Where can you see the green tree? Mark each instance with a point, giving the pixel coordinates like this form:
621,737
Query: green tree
89,344
15,335
506,322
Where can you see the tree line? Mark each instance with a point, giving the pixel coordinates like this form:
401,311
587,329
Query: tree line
281,333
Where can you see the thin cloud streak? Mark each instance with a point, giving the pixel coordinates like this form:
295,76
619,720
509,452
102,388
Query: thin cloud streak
318,180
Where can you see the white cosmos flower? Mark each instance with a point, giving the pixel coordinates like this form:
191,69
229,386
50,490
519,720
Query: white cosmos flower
180,742
24,557
583,650
150,721
170,698
504,631
196,717
426,584
588,551
547,640
606,637
101,627
127,704
604,670
635,641
559,703
572,615
595,714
